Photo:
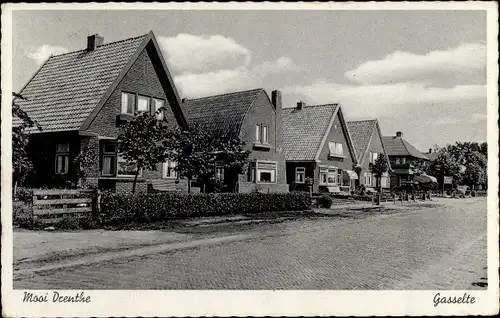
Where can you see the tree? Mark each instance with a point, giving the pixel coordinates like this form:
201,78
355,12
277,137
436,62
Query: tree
21,121
86,159
197,150
475,169
140,143
380,167
445,165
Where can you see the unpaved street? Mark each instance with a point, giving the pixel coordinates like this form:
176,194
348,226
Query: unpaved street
430,248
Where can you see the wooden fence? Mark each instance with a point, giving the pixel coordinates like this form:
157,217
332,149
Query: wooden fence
50,206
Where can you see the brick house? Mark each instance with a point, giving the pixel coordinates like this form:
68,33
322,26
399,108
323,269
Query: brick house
81,98
367,140
256,119
318,146
404,157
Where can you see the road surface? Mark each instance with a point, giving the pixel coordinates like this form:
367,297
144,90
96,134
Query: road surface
429,248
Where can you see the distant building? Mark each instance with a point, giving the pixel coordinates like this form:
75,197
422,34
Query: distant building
367,140
318,147
404,157
256,119
81,98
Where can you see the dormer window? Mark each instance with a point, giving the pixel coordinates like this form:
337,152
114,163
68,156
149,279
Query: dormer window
128,103
336,149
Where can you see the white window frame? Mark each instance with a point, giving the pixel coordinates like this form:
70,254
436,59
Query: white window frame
300,171
252,171
160,115
265,135
125,100
165,169
64,154
219,171
257,133
273,172
147,99
336,149
121,159
373,157
109,154
331,173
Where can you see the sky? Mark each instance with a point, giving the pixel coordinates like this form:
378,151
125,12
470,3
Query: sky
419,72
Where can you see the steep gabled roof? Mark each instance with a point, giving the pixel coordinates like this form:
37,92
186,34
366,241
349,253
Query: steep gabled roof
361,133
305,131
69,89
397,146
221,113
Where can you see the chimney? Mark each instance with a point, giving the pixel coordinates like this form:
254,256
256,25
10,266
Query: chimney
94,41
276,99
430,150
183,100
301,105
399,134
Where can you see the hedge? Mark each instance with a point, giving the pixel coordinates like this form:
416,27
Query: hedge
123,208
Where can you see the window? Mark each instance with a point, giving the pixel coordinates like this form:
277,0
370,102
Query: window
368,178
143,104
336,149
125,169
108,166
159,103
398,161
300,174
257,133
62,158
128,103
219,171
168,170
329,176
265,138
403,160
339,177
373,157
266,172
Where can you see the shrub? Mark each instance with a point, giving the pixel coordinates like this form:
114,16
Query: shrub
325,202
22,215
76,223
24,194
118,208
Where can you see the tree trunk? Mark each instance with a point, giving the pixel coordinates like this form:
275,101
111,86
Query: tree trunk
135,180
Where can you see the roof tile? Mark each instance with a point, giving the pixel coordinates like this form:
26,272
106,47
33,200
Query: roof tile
220,113
304,129
396,146
66,89
361,132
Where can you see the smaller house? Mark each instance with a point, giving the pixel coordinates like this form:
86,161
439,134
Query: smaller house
367,140
404,157
255,118
318,147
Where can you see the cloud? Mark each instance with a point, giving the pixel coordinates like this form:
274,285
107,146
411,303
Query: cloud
404,66
41,53
195,54
387,99
230,80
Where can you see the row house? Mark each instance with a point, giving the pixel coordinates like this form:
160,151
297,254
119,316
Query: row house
405,159
318,149
256,119
81,98
367,139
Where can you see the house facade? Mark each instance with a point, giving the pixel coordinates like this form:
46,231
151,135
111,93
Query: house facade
256,119
367,140
405,159
318,148
81,98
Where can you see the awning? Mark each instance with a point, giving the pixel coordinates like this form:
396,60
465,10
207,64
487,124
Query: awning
352,175
424,178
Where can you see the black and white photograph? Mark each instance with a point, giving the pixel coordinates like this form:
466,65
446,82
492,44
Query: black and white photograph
309,151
